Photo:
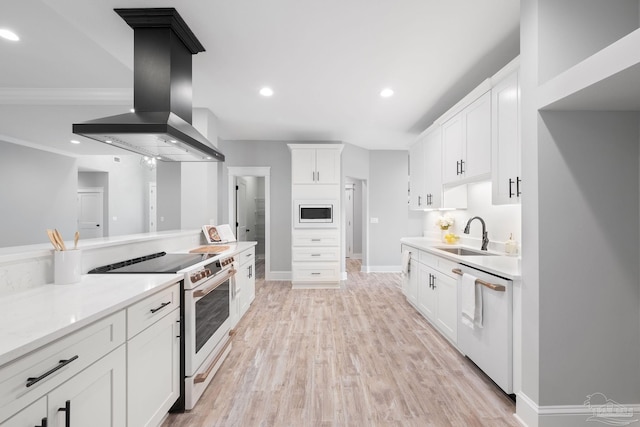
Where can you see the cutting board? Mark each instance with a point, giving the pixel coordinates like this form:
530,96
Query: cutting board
209,250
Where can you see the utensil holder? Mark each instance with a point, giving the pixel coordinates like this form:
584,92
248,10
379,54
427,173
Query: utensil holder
67,266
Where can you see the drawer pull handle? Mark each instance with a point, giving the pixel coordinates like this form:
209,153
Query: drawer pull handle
315,254
163,305
200,378
67,413
61,364
316,240
315,274
43,423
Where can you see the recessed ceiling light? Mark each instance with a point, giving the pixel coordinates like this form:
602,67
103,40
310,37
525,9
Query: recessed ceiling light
173,141
75,141
159,158
266,91
9,35
108,141
386,93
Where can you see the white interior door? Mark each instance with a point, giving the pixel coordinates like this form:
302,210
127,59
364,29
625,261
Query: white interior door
90,213
349,193
152,206
241,210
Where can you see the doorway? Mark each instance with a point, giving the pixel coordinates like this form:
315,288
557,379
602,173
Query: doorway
354,221
249,190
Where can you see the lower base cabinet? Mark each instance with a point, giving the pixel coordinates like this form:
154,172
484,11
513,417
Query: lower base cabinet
153,371
432,289
93,397
122,370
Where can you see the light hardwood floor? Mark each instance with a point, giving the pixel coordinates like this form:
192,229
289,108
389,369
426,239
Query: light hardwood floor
358,356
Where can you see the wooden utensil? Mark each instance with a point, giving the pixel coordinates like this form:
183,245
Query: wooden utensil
58,236
76,237
52,238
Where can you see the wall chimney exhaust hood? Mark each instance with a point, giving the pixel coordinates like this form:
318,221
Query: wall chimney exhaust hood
160,125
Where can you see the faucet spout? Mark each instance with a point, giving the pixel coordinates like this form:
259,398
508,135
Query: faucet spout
485,238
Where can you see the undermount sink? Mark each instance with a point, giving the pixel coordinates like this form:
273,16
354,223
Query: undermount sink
465,251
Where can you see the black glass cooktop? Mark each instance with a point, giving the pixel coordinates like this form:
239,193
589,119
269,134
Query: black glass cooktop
160,262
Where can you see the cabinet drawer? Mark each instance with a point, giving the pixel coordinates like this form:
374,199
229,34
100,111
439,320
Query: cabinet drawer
246,256
55,363
151,309
320,238
28,416
414,252
316,271
427,258
316,254
445,266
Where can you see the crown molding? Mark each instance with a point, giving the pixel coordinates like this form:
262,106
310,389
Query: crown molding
66,96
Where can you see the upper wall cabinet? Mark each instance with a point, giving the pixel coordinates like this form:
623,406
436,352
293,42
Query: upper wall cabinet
466,143
417,166
426,175
315,166
505,141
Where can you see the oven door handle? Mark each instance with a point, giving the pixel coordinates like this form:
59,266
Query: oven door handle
225,276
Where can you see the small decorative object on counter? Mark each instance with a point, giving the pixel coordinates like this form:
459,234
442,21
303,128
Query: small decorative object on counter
511,246
446,233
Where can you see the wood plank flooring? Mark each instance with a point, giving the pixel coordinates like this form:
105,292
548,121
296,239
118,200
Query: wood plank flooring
358,356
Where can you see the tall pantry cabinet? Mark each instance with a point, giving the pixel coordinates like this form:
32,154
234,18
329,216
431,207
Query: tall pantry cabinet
316,247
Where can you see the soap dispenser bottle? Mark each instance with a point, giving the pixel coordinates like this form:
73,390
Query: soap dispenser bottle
511,246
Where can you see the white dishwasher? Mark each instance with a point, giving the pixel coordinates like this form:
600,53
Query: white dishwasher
491,346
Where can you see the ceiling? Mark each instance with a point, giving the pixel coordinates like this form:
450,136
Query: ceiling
327,62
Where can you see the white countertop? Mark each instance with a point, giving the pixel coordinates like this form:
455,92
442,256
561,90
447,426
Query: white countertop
500,265
38,316
41,315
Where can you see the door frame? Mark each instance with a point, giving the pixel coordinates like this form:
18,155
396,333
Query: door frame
264,172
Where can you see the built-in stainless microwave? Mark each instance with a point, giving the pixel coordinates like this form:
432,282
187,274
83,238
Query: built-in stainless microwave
315,213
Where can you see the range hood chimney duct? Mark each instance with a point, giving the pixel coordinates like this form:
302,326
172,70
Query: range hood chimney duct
160,125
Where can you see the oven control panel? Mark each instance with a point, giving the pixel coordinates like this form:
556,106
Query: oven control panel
227,261
211,269
202,274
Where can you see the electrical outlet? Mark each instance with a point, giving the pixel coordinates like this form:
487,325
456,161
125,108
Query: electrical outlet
374,220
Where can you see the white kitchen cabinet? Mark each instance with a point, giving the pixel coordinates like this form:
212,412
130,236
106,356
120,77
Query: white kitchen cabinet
426,294
466,141
432,289
433,169
505,141
417,169
247,279
95,397
27,379
316,258
315,165
244,287
33,415
153,371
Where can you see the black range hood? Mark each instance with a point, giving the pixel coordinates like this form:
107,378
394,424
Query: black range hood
161,126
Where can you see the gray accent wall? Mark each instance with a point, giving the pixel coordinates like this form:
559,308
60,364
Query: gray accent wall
388,202
38,190
275,154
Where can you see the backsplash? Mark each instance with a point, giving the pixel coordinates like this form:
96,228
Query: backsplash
501,220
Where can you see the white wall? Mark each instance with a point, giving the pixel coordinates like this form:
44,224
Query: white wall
38,190
501,221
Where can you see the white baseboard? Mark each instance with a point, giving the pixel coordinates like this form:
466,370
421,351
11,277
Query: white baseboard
531,415
278,276
381,269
